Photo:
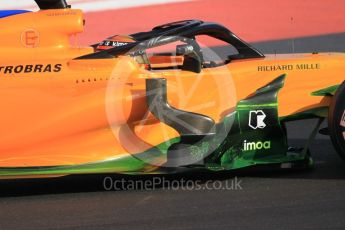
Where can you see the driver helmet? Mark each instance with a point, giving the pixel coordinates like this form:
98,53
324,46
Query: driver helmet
115,41
122,40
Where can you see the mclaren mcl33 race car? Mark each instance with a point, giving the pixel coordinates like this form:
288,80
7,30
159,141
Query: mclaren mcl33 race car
154,102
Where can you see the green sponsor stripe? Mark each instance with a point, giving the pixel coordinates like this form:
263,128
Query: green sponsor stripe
270,105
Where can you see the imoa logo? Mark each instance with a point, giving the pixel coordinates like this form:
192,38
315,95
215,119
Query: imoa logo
248,146
257,119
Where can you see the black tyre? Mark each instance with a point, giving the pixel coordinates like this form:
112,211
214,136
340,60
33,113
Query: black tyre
336,121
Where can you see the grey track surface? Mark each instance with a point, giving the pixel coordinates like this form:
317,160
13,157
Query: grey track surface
268,200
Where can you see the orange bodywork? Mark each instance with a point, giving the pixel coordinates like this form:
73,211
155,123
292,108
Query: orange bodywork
59,111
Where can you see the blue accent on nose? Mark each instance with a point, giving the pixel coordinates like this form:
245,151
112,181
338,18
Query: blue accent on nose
7,13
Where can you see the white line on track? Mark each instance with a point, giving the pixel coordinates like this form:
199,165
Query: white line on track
88,5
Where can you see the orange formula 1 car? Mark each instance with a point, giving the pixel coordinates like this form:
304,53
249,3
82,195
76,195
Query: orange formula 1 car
131,105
